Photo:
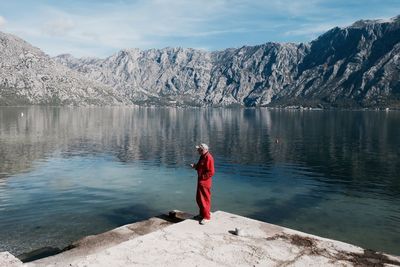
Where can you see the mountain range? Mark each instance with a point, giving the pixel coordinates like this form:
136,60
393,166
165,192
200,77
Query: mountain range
351,67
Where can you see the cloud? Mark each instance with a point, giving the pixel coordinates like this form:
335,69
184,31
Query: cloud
310,30
314,29
148,23
90,28
291,7
59,27
2,21
143,24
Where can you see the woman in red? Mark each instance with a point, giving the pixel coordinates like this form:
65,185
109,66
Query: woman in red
205,171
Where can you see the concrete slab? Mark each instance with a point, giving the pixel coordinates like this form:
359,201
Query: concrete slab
7,259
217,244
95,243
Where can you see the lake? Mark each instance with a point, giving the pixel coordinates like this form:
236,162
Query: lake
69,172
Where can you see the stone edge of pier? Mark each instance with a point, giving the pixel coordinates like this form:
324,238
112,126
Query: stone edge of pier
177,239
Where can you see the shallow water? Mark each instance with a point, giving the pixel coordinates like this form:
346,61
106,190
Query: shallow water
69,172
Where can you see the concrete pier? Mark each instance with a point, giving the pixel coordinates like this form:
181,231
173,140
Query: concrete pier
228,240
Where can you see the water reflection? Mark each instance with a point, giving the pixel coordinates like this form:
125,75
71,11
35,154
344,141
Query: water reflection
332,173
345,145
131,133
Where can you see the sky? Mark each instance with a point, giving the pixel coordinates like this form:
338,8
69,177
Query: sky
100,28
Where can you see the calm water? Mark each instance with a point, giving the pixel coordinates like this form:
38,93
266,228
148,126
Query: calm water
70,172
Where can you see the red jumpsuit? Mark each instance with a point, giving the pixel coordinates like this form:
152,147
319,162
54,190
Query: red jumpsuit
205,170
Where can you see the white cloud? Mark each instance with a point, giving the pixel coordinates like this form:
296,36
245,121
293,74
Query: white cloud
150,23
85,27
292,7
2,21
59,27
146,22
311,30
141,24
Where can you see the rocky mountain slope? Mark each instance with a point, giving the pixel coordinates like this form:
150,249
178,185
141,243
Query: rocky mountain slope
245,76
28,76
354,66
357,66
